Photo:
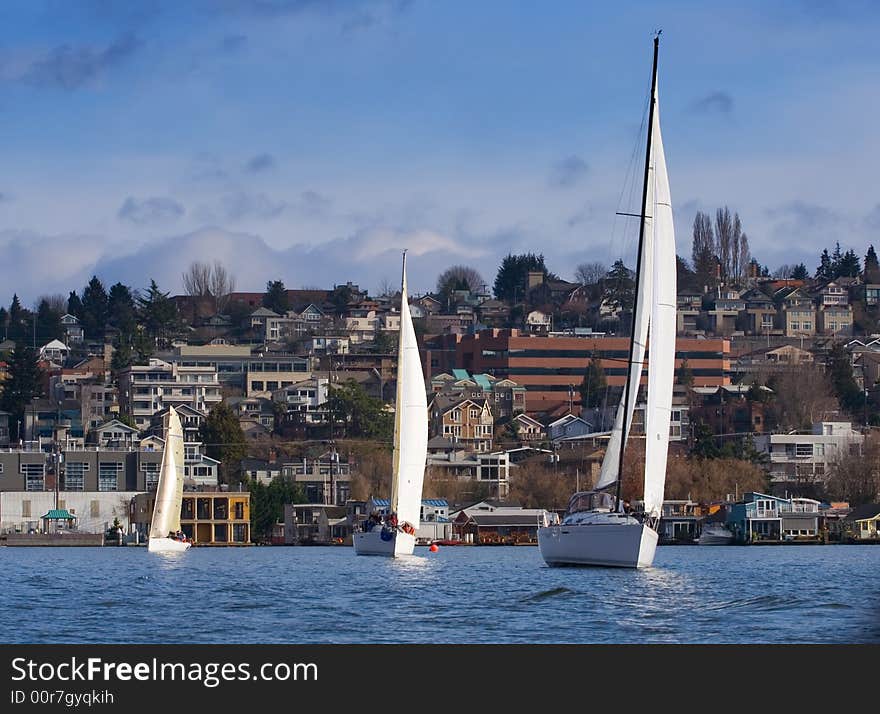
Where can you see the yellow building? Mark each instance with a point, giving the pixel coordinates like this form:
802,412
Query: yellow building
207,517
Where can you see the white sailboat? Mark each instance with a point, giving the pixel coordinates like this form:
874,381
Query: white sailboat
595,530
169,491
410,448
715,534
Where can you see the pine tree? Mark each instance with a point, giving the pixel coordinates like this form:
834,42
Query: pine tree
872,266
95,309
22,384
48,323
510,280
825,271
593,385
800,272
122,309
275,298
74,305
16,329
158,314
849,265
224,440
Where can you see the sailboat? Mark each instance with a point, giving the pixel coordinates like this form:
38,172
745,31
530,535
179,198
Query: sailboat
169,491
595,529
396,536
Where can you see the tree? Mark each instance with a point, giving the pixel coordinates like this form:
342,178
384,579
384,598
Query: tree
4,318
590,273
825,271
267,505
685,375
158,314
803,396
275,298
745,257
686,278
840,371
359,415
593,384
799,272
872,267
510,281
703,251
209,280
459,277
224,440
74,305
16,330
122,309
856,477
48,323
619,288
339,298
95,309
22,384
724,231
849,265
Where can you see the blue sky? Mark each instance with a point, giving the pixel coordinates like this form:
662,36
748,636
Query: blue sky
309,141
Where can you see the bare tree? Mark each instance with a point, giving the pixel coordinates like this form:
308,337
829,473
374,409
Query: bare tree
197,279
745,257
590,273
459,277
736,270
386,288
784,271
57,303
724,241
206,280
703,251
855,477
803,397
221,285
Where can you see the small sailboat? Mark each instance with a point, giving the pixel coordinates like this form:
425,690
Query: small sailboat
397,534
169,491
595,529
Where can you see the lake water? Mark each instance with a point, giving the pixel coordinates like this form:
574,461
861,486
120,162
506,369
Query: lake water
460,594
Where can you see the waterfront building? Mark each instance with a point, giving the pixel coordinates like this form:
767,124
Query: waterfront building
865,522
94,511
207,517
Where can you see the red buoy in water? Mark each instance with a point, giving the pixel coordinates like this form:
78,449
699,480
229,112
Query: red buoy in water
433,548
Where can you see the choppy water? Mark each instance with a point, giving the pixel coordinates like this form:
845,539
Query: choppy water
458,595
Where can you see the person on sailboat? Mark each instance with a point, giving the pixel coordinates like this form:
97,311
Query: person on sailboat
392,519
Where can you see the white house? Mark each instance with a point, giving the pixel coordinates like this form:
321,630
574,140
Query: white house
54,351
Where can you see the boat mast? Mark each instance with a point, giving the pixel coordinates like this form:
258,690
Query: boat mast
632,340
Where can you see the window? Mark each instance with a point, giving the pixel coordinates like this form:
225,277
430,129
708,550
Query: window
151,475
74,475
238,510
108,476
803,450
256,386
239,531
475,413
33,476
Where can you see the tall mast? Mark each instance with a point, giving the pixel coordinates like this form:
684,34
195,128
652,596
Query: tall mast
632,340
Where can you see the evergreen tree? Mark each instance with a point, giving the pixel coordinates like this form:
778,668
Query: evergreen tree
849,265
122,309
825,271
840,372
74,305
358,414
872,267
593,385
158,314
4,319
16,329
836,257
800,272
275,298
267,505
619,287
95,309
224,440
48,323
510,281
22,384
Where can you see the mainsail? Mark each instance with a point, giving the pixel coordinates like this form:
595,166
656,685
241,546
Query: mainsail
661,365
169,491
410,421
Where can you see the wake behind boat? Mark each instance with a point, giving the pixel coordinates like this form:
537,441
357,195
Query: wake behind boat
596,530
396,535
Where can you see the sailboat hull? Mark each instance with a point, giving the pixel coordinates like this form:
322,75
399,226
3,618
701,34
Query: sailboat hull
629,545
371,543
167,545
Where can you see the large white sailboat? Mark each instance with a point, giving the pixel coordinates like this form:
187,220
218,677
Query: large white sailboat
169,491
595,529
396,535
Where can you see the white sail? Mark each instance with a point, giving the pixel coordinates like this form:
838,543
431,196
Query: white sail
410,421
611,463
169,491
661,365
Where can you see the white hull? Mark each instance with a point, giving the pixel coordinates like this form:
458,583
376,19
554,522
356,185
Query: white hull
167,545
372,544
715,536
625,545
